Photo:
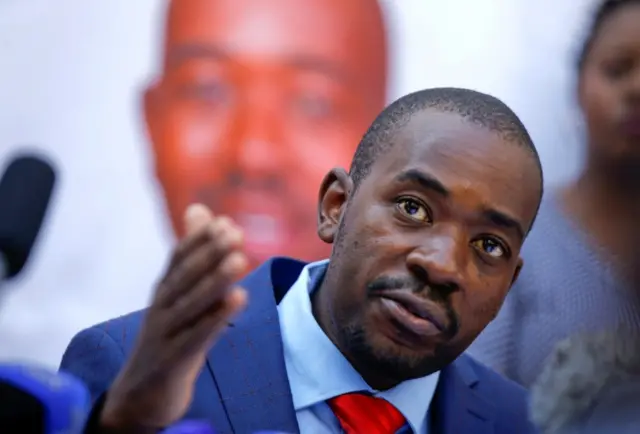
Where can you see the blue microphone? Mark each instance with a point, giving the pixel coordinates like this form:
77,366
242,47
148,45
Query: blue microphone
190,427
201,427
33,400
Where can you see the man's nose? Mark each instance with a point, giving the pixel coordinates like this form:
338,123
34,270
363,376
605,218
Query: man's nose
259,147
440,260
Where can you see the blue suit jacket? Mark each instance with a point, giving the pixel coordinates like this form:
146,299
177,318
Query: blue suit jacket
244,387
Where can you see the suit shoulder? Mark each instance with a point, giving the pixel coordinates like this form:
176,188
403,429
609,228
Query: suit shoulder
115,335
118,328
505,386
510,398
96,354
123,329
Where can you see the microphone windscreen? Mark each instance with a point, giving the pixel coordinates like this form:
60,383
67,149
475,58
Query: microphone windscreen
584,374
36,400
18,408
25,191
190,427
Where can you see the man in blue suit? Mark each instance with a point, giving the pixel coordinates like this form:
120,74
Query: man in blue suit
426,229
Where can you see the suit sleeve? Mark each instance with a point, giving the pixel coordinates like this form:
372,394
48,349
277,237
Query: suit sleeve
94,357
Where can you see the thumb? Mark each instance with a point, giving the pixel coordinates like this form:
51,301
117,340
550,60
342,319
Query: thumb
196,217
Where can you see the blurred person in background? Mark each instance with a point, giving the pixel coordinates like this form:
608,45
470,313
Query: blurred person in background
582,255
590,385
256,101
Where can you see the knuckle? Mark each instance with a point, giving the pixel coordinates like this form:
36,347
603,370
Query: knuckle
177,254
214,253
181,272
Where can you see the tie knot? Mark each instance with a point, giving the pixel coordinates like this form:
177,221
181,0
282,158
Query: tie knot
360,413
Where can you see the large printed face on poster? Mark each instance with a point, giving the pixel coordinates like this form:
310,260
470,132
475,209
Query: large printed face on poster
257,100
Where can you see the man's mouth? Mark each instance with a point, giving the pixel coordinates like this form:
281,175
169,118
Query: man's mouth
264,234
420,317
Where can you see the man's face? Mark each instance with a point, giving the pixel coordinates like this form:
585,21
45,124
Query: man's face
427,246
257,101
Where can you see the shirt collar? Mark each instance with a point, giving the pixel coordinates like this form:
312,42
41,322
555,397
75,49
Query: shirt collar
309,353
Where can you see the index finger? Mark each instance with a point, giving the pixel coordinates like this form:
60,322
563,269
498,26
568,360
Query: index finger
196,217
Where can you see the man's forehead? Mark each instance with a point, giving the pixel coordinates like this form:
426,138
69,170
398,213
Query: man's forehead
263,25
333,34
444,137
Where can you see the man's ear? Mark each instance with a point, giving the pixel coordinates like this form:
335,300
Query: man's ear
151,109
516,272
334,192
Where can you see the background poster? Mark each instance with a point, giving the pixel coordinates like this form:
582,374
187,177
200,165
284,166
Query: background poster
136,132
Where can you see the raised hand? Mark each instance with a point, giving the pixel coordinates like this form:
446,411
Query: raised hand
193,303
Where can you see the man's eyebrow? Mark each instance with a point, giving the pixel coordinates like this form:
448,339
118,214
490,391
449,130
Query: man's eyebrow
422,179
505,221
305,62
180,53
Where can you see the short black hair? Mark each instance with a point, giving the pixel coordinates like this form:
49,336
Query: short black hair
485,110
602,13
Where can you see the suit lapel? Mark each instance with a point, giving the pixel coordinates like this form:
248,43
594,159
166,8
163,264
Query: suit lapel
249,370
457,408
248,363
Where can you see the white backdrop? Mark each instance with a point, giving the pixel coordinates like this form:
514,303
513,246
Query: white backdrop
70,77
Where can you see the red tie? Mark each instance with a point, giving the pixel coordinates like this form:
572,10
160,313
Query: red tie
364,414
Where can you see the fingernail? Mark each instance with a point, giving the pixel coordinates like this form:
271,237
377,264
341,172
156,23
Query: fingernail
235,263
195,210
234,236
223,222
227,231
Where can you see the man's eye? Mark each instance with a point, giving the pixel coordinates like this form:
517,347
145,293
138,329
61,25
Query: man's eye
490,247
413,209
